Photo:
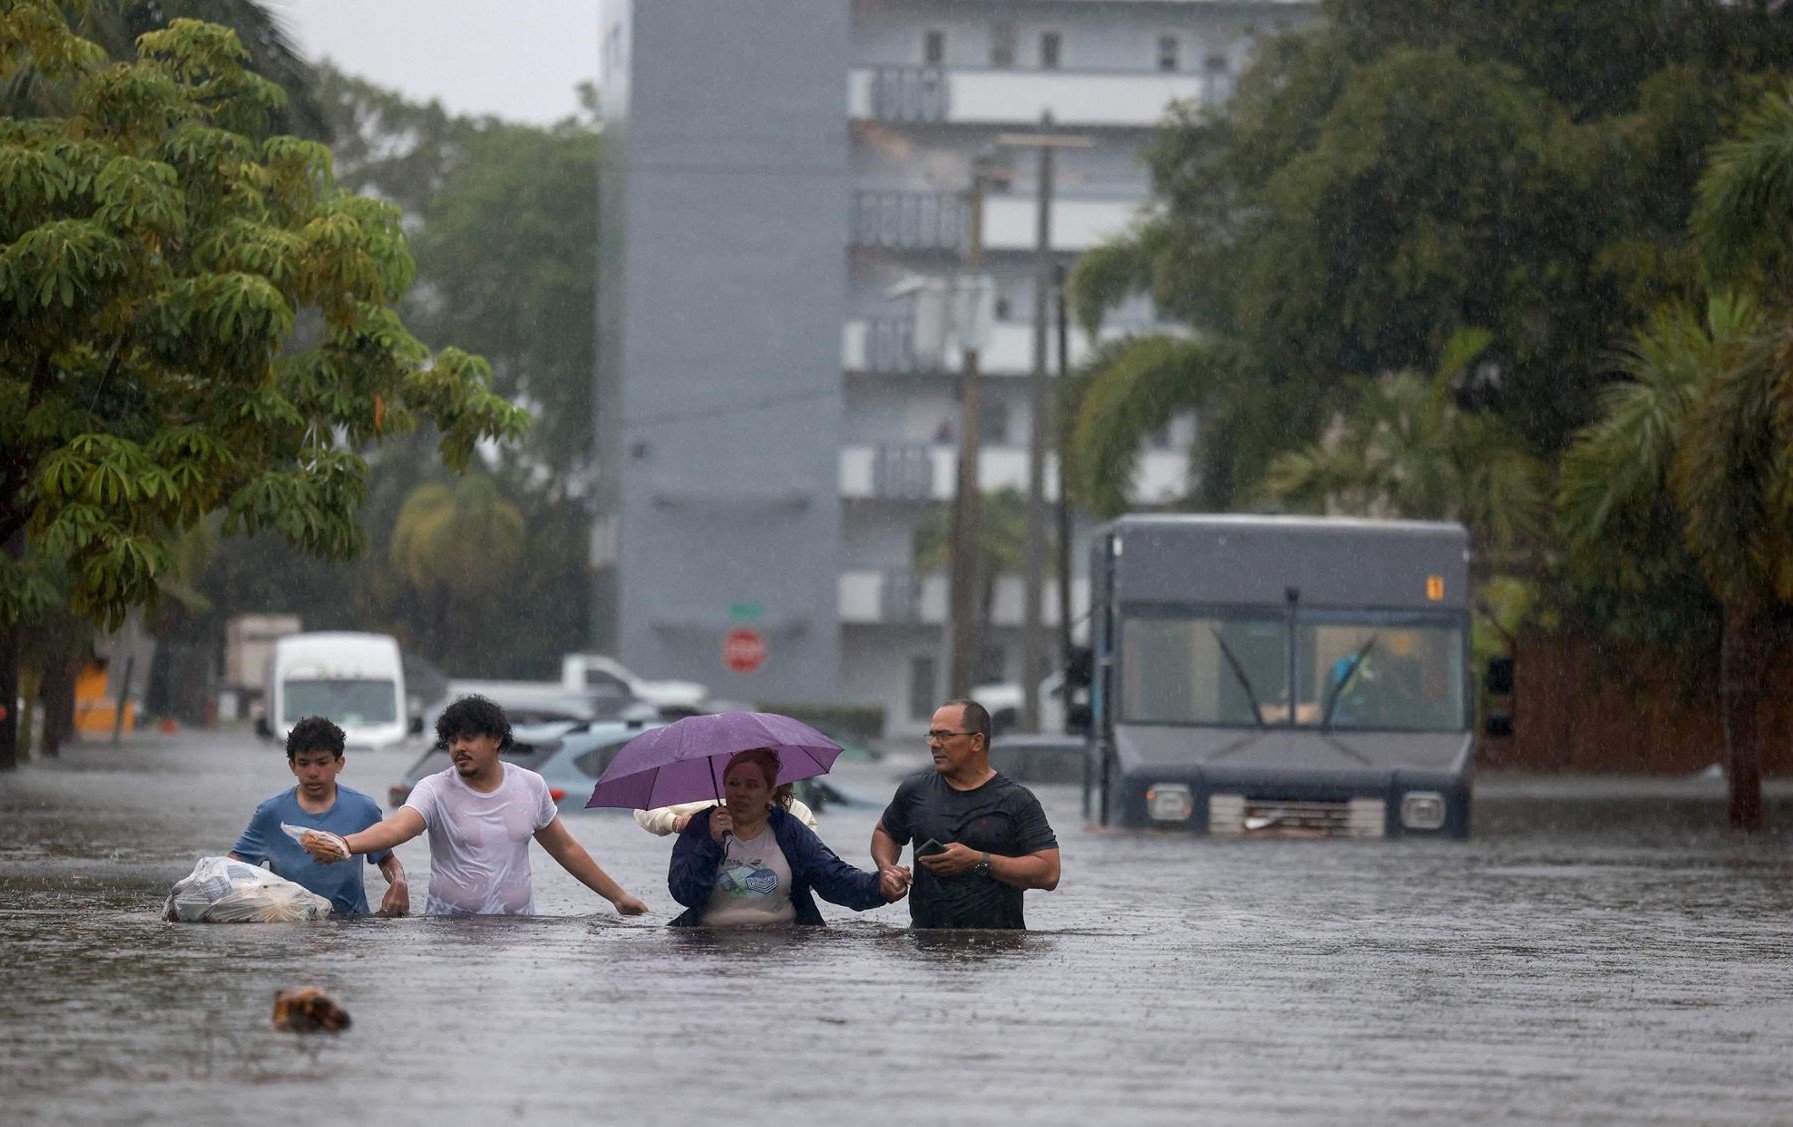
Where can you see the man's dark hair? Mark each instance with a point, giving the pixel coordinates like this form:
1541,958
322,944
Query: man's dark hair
314,733
976,718
474,715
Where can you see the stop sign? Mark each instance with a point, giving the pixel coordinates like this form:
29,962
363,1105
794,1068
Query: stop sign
743,650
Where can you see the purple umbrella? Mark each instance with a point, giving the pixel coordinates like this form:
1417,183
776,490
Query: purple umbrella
683,761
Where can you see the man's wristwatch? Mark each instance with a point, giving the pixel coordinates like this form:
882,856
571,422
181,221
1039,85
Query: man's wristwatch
982,868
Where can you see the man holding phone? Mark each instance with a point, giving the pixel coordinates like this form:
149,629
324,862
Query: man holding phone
980,839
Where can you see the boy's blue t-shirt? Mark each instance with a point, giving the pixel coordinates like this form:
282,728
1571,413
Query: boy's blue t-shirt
264,840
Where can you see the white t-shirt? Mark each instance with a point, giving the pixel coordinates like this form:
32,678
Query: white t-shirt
753,884
479,843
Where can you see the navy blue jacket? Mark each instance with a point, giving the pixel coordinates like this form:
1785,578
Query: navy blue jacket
696,857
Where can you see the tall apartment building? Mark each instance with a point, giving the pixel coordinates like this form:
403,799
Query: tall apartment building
769,440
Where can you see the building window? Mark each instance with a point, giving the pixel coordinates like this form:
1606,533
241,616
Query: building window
1051,47
1217,83
993,421
1167,52
921,688
933,47
1002,45
992,664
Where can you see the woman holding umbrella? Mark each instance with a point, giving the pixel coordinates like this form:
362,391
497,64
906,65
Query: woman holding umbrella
749,862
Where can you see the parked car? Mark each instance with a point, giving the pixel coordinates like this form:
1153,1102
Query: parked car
1003,700
529,703
1044,758
569,757
591,673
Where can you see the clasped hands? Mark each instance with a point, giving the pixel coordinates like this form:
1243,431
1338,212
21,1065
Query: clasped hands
893,882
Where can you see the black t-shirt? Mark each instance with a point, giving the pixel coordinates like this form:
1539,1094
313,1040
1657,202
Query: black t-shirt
1001,818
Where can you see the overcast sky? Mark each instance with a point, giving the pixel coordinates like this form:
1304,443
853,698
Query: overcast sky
516,59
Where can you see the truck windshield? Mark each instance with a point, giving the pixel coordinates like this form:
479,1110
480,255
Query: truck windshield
1389,672
1356,670
1205,668
344,701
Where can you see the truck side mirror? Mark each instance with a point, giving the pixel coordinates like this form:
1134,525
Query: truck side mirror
1080,666
1078,718
417,725
1080,669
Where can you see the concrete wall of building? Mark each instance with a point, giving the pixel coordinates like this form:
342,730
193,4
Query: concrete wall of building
879,665
721,390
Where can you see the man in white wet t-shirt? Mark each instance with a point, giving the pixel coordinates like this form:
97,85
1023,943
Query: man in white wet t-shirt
481,814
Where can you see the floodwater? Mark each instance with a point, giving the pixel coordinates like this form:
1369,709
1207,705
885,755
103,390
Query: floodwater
1598,953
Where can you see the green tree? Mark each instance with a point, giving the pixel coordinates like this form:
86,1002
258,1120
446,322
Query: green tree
114,25
157,255
1400,172
506,234
1002,548
1694,438
1406,448
455,544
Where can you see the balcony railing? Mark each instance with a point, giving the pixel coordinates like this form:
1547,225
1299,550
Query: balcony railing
914,471
886,344
910,220
908,94
903,597
903,472
898,220
899,596
924,95
889,345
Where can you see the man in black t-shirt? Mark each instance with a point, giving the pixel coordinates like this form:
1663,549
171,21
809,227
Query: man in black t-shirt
993,837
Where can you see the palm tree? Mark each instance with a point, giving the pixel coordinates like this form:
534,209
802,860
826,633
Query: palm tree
1700,430
453,544
1002,547
1130,388
115,27
1406,448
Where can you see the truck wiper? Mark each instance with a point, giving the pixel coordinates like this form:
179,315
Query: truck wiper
1338,690
1244,681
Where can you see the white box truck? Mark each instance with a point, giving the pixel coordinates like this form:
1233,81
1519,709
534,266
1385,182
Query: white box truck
356,680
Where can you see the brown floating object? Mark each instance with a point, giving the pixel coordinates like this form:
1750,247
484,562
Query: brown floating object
307,1010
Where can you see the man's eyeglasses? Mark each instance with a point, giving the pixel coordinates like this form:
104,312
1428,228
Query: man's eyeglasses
937,736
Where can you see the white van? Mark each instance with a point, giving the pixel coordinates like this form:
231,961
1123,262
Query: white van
357,680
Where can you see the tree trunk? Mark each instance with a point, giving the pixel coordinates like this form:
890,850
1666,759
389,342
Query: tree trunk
57,698
1740,697
9,674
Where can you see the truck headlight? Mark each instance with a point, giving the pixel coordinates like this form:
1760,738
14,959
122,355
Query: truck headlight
1422,810
1169,802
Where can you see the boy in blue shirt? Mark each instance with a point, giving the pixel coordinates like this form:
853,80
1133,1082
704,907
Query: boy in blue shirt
314,755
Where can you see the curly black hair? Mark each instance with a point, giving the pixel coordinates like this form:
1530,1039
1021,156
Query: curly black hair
473,715
314,733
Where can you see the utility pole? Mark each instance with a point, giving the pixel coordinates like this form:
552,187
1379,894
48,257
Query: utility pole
966,629
1040,411
1064,497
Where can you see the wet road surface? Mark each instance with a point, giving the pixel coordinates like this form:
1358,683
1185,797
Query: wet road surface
1599,953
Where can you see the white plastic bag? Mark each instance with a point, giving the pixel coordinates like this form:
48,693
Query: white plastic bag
300,833
220,890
